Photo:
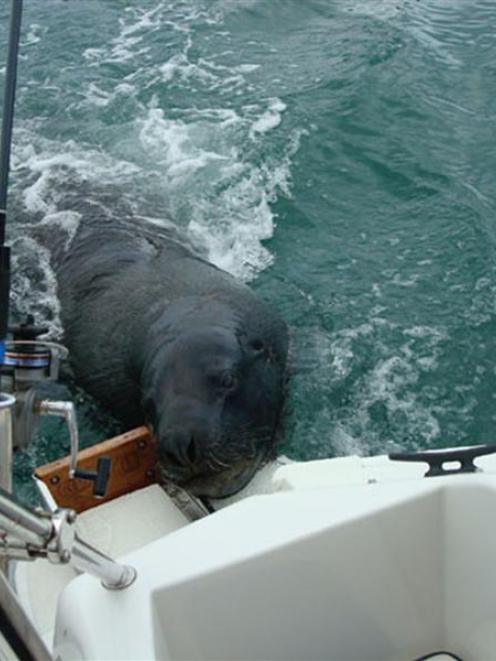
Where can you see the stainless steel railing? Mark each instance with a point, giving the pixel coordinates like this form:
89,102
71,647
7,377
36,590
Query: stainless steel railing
27,534
7,403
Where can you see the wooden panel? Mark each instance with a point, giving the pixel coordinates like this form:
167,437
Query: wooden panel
133,467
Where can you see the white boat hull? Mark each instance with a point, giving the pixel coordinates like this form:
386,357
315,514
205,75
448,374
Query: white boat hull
356,559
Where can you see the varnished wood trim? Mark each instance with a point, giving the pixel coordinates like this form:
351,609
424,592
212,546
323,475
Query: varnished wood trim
133,467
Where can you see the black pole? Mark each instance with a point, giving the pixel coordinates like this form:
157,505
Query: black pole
6,141
8,106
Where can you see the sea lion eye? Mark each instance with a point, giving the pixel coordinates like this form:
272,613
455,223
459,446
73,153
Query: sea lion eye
228,381
257,345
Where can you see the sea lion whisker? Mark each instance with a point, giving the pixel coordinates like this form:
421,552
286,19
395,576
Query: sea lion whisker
218,462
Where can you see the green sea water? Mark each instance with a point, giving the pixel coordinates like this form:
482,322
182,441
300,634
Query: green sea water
340,155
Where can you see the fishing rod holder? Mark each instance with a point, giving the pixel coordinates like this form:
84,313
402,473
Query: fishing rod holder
30,534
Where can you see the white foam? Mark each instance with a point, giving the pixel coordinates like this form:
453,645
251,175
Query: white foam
42,168
49,162
97,96
230,69
136,26
224,200
211,165
125,89
171,144
225,116
93,55
144,22
101,98
344,443
66,220
131,46
392,385
384,395
34,195
426,332
34,35
41,300
270,119
179,65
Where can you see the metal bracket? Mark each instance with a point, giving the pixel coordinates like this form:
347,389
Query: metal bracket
59,548
438,458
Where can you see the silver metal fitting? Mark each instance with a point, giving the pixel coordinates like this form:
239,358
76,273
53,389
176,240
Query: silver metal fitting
59,548
127,578
13,549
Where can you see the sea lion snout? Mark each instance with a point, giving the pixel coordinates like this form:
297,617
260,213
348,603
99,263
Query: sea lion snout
183,442
182,447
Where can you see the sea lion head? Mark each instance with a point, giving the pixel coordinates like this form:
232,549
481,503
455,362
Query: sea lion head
212,392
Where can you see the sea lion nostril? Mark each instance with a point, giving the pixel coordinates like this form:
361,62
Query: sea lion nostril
181,448
192,451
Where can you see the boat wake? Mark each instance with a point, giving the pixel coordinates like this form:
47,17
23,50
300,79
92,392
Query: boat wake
176,131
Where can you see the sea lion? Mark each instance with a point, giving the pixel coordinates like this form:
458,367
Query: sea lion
158,334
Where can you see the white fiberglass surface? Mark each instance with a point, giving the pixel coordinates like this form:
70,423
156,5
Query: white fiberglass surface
391,571
398,582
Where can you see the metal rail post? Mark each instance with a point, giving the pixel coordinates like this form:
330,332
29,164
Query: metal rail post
7,403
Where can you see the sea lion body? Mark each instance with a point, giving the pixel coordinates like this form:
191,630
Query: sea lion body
158,334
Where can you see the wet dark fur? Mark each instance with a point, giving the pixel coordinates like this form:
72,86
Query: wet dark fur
128,289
